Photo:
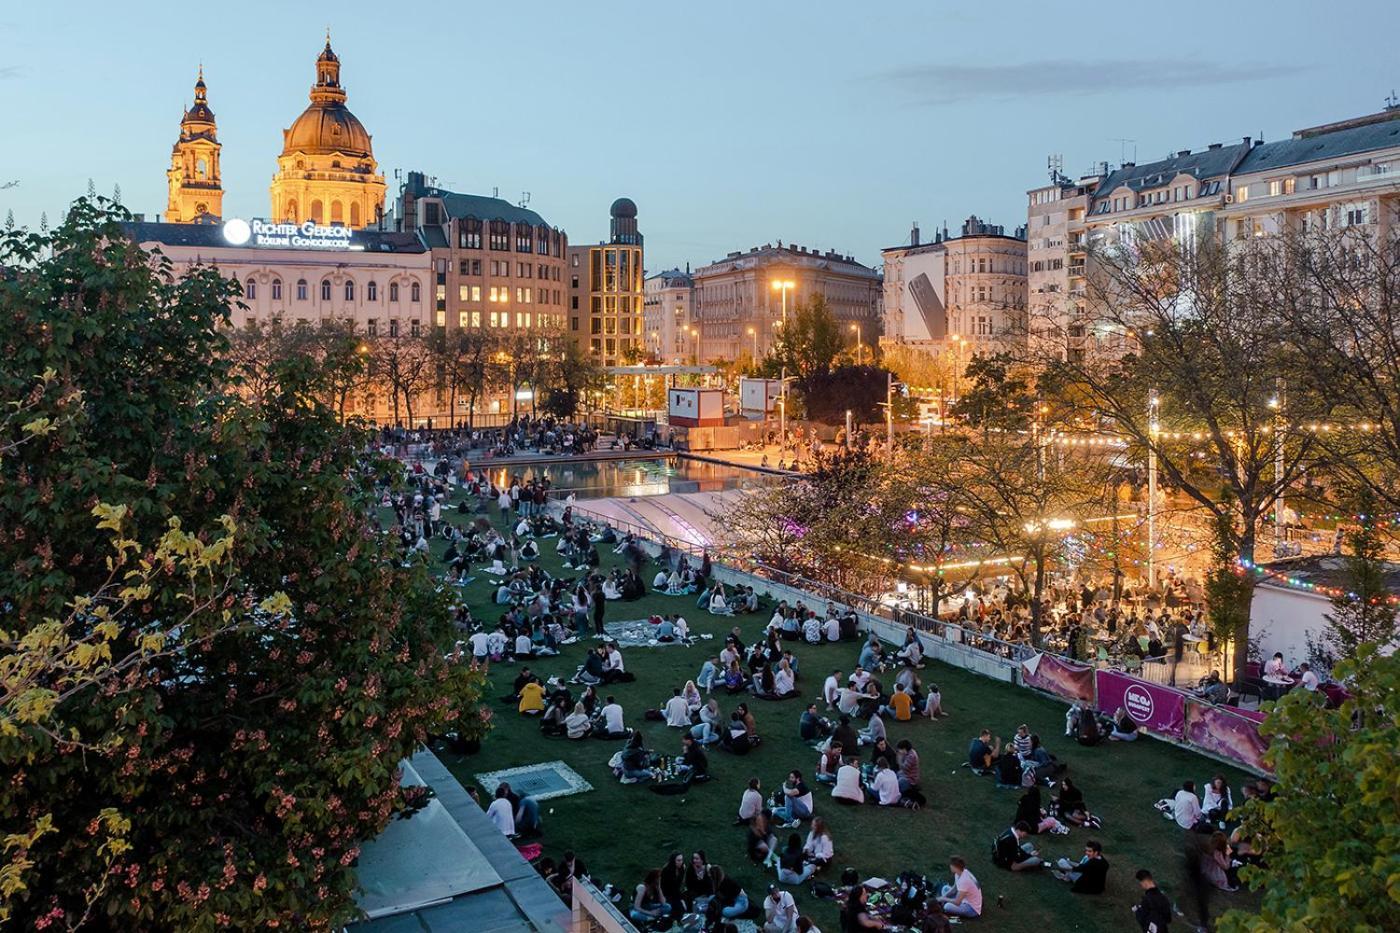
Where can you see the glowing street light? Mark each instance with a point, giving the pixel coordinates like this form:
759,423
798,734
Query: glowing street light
754,334
784,286
856,328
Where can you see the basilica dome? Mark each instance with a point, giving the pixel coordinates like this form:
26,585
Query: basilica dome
327,125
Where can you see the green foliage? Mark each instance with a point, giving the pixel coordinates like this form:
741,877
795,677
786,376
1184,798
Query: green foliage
1331,836
827,395
573,374
996,395
808,344
230,782
1363,614
1229,589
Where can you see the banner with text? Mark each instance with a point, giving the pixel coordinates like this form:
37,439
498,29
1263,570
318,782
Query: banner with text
1049,673
1228,733
1156,708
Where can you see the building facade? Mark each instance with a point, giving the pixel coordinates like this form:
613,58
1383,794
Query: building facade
739,299
378,282
495,265
668,300
194,177
606,291
1342,175
1055,264
960,296
327,172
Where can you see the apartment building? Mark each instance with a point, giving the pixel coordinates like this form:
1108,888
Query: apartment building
1055,262
740,299
606,291
667,303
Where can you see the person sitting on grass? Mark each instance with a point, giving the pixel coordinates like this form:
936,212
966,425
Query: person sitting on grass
1029,812
502,811
819,848
694,763
762,847
982,752
779,909
718,605
552,722
845,735
793,867
909,772
706,730
933,703
1071,807
1125,727
1089,875
609,724
811,727
1012,852
829,763
857,911
531,698
1008,768
750,802
847,789
577,724
797,801
730,902
874,730
710,675
636,761
884,787
912,653
881,751
900,707
699,882
734,681
962,898
649,905
1154,911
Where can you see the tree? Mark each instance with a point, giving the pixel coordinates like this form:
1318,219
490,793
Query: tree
219,781
1331,835
917,368
575,373
809,342
404,366
1000,395
827,395
1364,612
1195,327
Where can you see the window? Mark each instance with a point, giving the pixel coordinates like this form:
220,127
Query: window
440,319
415,292
469,233
276,289
464,292
325,289
1241,193
393,327
394,291
500,235
250,289
524,242
372,327
542,240
349,290
301,289
372,291
1355,213
573,302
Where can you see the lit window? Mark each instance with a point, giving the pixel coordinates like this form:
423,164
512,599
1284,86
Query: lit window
441,319
413,327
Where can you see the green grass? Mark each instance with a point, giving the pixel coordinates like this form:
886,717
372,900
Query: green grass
621,831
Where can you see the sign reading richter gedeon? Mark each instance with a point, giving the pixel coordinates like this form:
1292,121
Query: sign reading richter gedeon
308,235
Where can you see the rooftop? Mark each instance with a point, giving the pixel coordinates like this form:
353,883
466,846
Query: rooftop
1347,137
478,206
447,868
1215,160
796,255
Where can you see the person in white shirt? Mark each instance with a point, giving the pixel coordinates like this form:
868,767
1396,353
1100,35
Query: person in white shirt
962,898
718,606
612,718
496,643
885,786
522,529
784,683
1309,680
779,911
658,582
481,650
524,648
615,660
860,677
1275,667
1186,808
833,629
502,813
819,847
751,804
677,711
831,688
847,789
682,628
812,631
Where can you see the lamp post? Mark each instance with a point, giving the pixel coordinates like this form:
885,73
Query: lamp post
784,286
753,333
856,328
848,429
957,366
1153,407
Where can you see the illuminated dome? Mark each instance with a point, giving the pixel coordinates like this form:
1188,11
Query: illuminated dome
327,125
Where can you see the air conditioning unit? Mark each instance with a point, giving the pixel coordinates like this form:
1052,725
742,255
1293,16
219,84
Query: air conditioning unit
1229,199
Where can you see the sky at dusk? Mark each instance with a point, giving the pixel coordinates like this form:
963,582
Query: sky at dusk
731,124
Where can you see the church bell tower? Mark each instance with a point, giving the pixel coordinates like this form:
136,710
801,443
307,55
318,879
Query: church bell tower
196,192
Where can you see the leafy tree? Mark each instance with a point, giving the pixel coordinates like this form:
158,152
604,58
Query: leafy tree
917,368
404,365
228,775
575,374
999,395
1364,613
1330,838
809,342
828,395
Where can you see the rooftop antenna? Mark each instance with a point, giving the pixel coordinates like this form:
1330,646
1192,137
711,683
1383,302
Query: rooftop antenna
1123,149
524,198
495,191
1056,165
1392,102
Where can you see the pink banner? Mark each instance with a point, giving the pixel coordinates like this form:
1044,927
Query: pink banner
1047,672
1157,709
1226,732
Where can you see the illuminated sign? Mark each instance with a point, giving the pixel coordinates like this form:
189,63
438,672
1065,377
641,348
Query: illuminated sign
308,235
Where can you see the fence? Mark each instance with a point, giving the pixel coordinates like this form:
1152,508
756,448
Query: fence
1218,731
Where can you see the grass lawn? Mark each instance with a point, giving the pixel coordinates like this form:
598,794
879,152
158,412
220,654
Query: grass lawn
621,831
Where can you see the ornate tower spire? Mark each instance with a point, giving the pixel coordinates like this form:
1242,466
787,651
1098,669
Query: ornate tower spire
196,192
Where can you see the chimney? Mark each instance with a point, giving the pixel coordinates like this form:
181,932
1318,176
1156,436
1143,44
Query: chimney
1246,142
914,235
1213,146
1184,152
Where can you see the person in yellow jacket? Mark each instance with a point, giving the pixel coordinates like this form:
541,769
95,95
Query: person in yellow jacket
532,698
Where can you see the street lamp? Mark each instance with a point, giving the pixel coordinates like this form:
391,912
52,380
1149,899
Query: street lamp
754,334
784,286
856,328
